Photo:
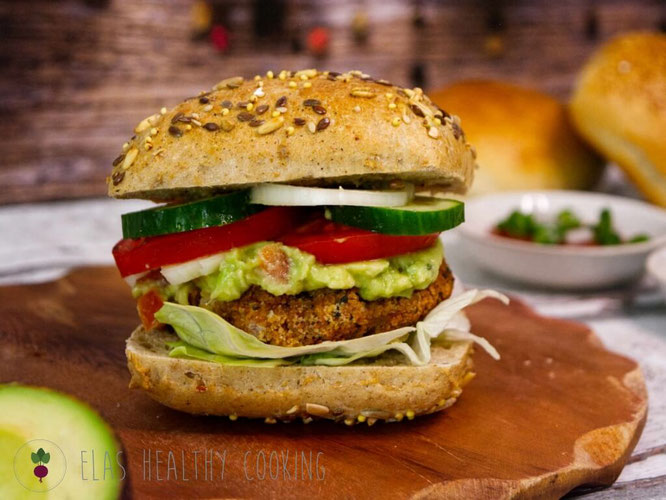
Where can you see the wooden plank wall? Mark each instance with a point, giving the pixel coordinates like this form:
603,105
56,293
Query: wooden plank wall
75,78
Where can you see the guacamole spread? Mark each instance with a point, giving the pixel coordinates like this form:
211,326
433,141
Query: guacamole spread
281,269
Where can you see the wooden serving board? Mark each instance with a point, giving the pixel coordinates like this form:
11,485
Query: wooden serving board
556,413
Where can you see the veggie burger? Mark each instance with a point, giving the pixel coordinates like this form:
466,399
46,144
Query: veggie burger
290,271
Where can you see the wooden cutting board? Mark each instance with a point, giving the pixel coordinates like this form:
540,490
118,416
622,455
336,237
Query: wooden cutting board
557,412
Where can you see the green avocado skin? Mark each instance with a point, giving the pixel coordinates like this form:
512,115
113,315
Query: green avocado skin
242,267
69,433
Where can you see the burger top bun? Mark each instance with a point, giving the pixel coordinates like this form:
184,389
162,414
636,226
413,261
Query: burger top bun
619,106
307,127
523,138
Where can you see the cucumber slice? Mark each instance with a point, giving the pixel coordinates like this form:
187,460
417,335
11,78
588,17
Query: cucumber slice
53,446
216,211
423,215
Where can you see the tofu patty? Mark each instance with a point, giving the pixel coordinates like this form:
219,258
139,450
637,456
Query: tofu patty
314,317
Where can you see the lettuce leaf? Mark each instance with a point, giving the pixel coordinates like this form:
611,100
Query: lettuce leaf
202,331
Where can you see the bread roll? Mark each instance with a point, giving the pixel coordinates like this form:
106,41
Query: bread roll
308,127
523,138
381,389
619,106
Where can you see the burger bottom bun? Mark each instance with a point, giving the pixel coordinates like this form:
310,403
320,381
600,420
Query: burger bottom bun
385,389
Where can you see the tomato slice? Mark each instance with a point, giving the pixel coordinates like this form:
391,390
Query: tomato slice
147,305
143,254
333,243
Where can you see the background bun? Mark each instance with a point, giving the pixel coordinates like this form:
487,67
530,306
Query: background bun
378,390
306,128
619,106
523,138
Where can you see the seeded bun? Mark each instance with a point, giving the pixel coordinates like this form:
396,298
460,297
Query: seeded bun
308,128
523,138
381,390
619,106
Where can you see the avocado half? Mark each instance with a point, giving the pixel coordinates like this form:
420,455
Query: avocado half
53,446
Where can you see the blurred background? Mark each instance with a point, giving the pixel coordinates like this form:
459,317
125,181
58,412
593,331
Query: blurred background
77,75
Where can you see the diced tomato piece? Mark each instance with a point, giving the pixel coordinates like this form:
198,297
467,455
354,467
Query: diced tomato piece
147,305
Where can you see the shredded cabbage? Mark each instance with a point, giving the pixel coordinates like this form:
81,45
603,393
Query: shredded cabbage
205,335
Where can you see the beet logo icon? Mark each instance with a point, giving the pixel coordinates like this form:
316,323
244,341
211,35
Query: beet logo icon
39,465
40,458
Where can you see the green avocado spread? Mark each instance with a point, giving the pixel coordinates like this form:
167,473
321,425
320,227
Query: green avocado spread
280,270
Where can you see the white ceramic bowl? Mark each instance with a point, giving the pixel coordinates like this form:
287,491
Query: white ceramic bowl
656,266
561,266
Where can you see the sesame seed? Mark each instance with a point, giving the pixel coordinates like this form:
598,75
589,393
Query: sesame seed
433,132
270,126
153,131
360,92
126,147
225,111
163,111
257,78
406,118
259,92
395,122
211,127
316,409
281,109
357,109
227,125
312,127
208,107
129,158
292,85
290,130
143,125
